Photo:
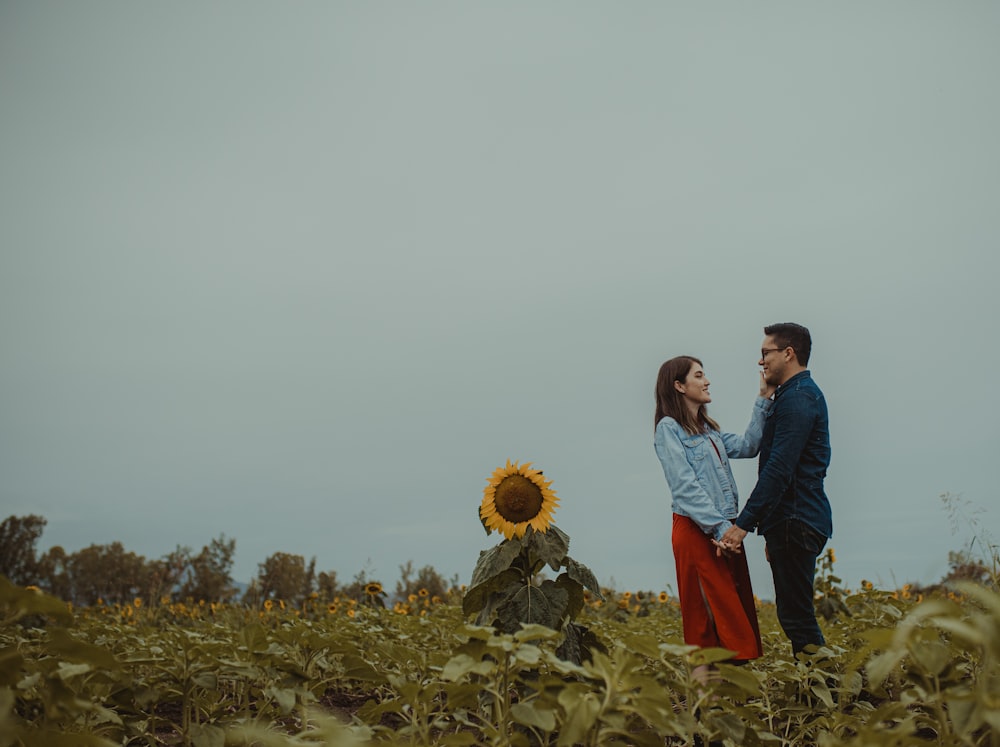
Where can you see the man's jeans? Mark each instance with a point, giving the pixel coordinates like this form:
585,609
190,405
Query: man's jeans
793,548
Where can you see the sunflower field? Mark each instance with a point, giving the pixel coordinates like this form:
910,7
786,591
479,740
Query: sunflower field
897,670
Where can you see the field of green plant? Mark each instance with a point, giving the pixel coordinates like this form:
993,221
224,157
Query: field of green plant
896,671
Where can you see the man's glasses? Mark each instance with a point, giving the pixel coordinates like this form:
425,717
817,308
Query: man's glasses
765,351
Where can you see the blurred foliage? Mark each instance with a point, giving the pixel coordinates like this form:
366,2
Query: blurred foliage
332,664
896,671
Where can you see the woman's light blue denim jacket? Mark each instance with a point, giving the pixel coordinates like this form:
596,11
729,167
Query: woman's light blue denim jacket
701,482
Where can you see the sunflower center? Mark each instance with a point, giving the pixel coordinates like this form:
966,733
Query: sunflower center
518,499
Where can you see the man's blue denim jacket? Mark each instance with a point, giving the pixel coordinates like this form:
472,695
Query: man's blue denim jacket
794,455
698,472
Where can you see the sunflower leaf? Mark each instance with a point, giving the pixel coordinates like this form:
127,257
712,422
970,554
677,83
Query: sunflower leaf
575,595
530,604
481,596
495,560
549,546
584,576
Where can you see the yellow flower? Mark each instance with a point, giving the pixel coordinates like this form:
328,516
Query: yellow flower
833,556
350,613
663,597
516,497
373,589
423,592
268,604
411,598
331,608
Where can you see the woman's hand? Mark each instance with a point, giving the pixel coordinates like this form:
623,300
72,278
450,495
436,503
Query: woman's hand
722,551
766,390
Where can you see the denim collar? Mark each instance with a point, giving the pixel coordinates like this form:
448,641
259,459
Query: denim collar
800,375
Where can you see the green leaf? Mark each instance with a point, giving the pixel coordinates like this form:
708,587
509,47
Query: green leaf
284,697
742,677
495,560
66,646
962,711
206,680
549,546
932,656
529,715
530,604
728,725
478,598
558,598
359,669
32,602
581,715
583,576
463,664
529,632
821,691
575,591
710,655
207,735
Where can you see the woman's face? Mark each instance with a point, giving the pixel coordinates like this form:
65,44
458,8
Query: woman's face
695,386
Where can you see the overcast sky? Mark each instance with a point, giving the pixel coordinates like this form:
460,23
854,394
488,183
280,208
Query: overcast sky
304,274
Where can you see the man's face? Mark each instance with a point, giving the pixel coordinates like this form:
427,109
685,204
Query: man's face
773,361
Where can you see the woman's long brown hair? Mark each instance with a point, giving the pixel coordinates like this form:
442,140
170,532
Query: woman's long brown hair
671,402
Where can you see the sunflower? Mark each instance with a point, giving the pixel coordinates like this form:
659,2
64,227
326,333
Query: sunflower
515,498
373,589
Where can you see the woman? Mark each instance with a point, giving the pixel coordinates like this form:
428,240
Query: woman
717,605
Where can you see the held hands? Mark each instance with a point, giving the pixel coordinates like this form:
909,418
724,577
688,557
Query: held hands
766,390
722,550
731,541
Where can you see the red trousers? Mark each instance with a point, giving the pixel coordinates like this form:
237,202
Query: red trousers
717,605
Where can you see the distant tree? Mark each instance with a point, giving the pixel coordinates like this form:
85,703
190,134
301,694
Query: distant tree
18,537
209,575
282,576
326,585
309,584
53,573
167,573
107,572
427,579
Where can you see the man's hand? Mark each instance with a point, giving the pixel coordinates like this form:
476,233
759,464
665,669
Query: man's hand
732,539
721,550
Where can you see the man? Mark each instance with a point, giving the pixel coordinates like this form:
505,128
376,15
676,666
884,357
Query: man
788,505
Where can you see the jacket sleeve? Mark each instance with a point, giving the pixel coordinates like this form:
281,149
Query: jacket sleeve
687,492
794,420
748,445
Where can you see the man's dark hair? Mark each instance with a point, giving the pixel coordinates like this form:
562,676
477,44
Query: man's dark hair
791,335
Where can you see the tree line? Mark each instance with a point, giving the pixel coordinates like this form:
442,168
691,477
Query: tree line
113,575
